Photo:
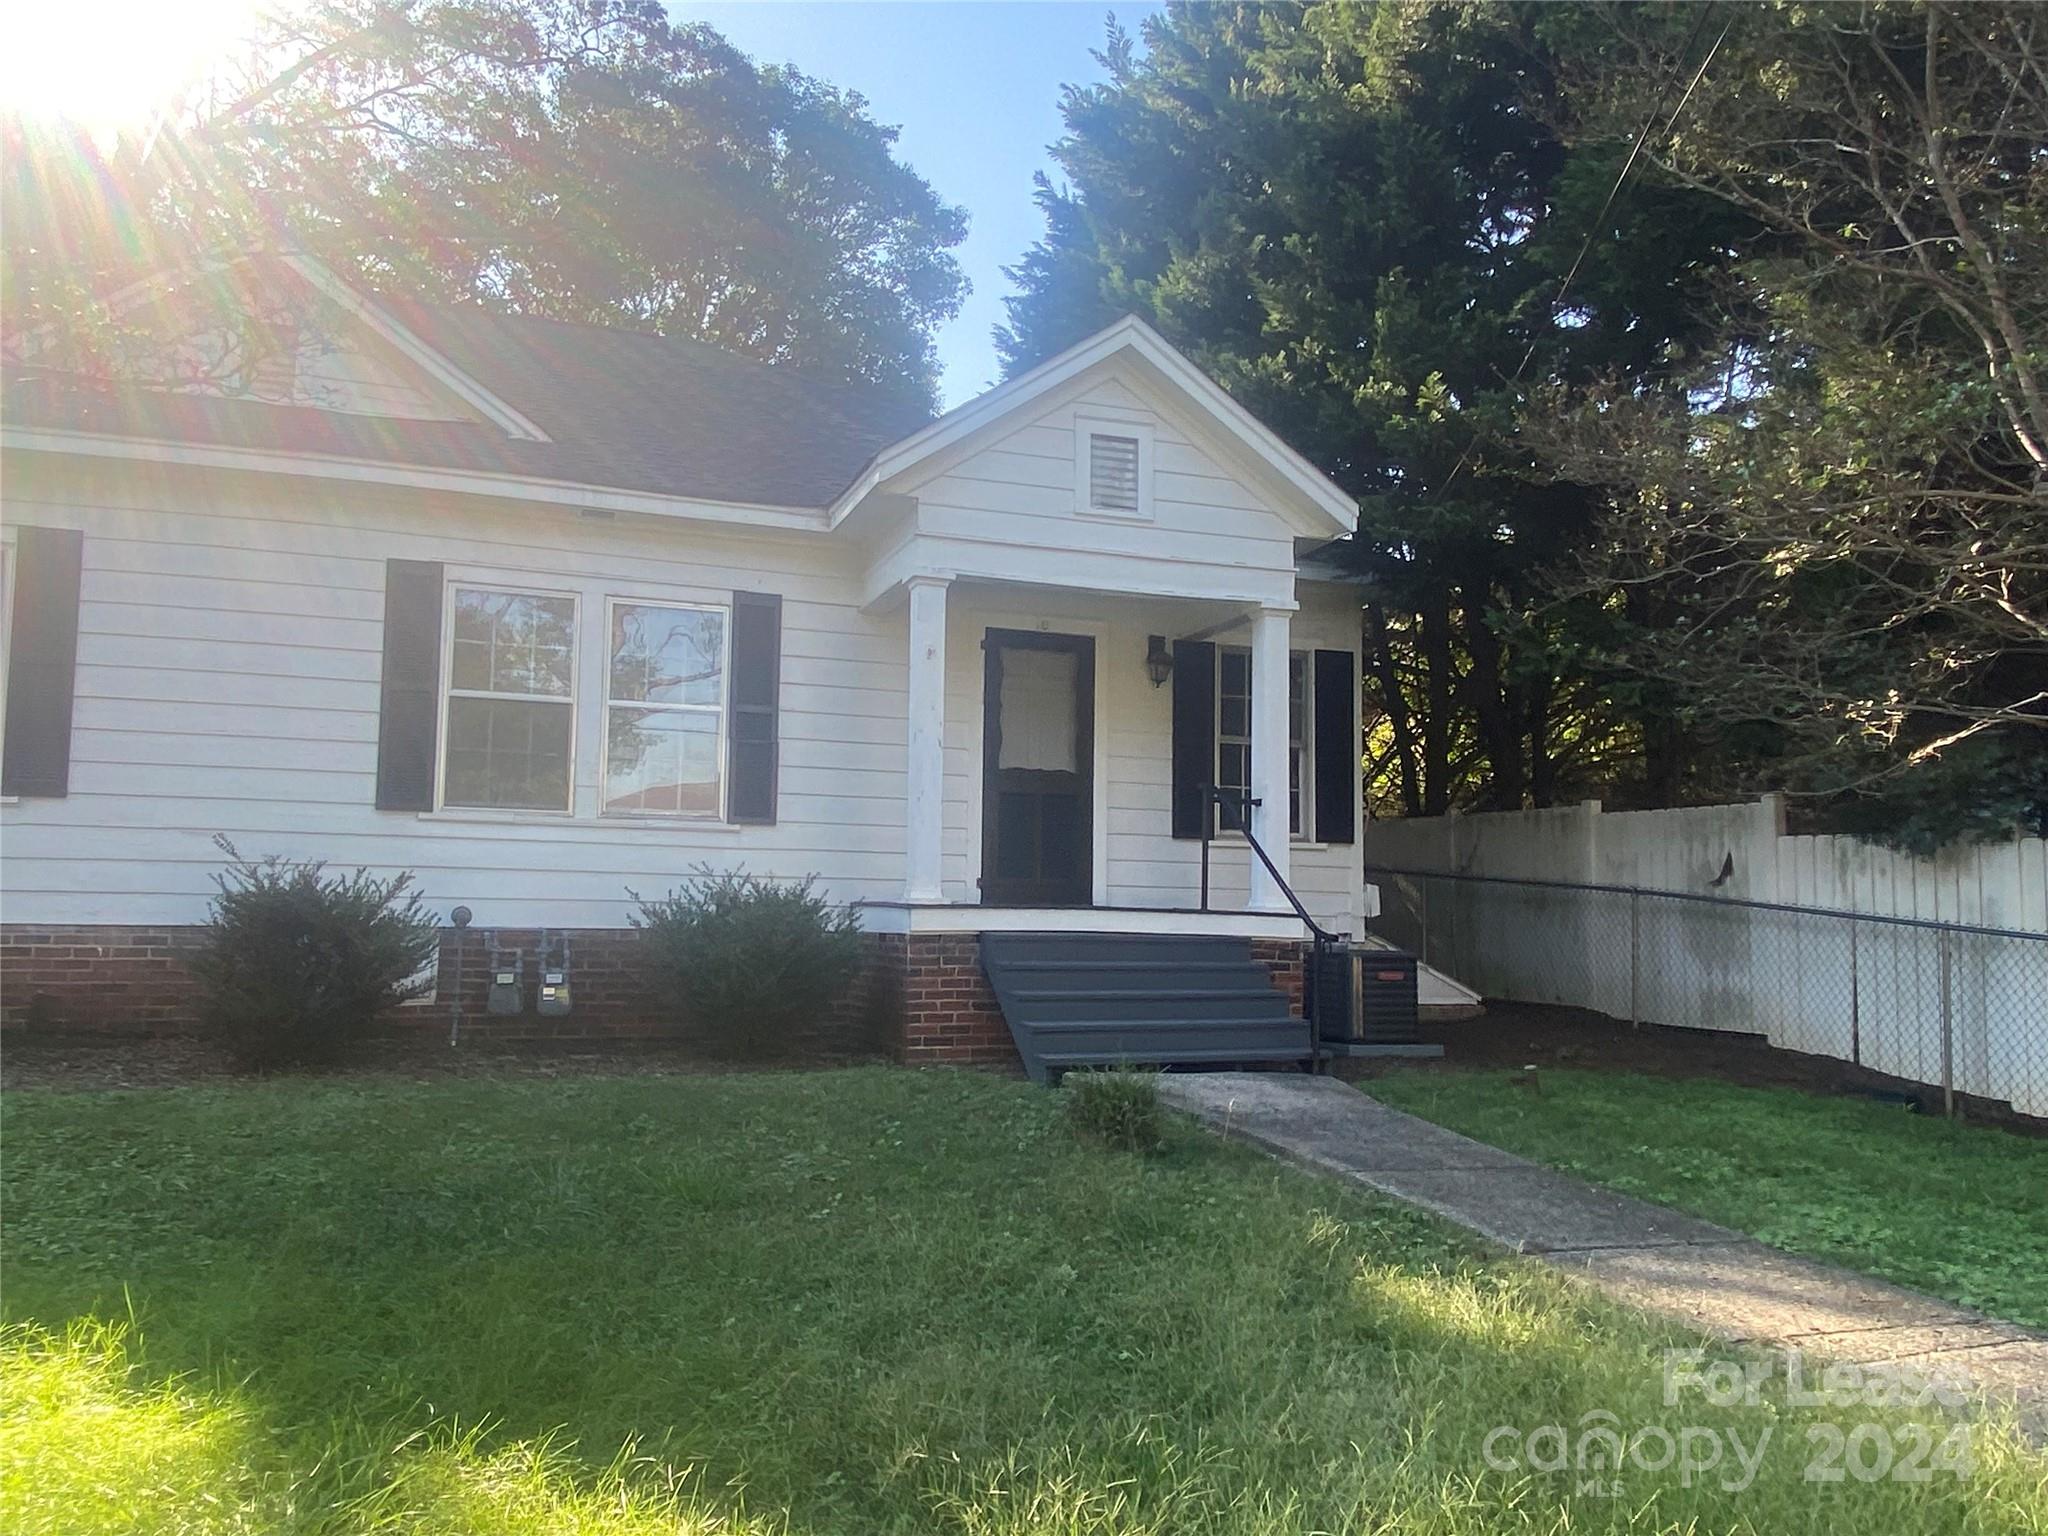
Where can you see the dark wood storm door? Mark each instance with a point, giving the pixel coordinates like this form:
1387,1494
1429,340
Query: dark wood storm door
1038,778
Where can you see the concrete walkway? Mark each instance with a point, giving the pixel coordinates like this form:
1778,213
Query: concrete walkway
1710,1277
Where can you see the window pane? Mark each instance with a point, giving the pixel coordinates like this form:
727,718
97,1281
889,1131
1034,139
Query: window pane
1234,694
661,762
513,642
1237,672
508,754
667,655
1036,709
1233,771
1233,766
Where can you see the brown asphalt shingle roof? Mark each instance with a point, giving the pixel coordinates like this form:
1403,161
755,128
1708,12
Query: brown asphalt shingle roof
624,410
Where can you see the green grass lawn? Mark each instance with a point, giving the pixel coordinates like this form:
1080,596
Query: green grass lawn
1956,1210
863,1301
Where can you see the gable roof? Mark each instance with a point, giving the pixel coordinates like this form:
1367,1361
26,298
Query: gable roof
1321,507
577,404
588,406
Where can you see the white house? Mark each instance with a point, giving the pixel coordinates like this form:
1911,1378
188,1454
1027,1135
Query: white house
548,612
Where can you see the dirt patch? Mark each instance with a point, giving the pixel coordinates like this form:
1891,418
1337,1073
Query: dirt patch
1511,1036
167,1061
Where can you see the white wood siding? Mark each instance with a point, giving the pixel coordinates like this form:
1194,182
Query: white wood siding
1006,510
229,654
229,657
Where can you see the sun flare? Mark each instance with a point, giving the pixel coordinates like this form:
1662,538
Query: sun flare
113,67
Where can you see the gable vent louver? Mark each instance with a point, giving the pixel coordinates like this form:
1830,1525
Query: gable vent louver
1112,473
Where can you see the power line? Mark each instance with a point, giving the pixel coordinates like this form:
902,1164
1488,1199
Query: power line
1636,149
1634,153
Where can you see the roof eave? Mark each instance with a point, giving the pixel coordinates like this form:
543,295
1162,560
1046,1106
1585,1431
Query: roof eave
471,482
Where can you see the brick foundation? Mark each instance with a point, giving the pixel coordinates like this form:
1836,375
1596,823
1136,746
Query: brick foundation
949,1010
922,997
1283,959
112,981
97,980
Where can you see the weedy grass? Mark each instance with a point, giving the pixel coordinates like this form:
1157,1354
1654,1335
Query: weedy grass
1956,1210
870,1300
1119,1108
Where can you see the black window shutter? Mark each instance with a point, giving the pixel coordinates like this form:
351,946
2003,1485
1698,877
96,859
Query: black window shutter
1194,733
409,714
1337,747
755,696
42,660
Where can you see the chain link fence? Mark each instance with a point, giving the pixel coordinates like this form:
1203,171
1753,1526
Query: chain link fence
1951,1005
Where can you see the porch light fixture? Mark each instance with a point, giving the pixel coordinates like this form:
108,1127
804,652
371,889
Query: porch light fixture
1158,661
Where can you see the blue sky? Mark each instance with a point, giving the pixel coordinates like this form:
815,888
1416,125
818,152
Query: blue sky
974,85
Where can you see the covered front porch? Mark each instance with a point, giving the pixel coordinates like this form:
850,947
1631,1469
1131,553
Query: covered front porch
1071,896
1106,621
1061,743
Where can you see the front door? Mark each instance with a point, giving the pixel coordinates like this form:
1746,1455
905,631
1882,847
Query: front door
1038,755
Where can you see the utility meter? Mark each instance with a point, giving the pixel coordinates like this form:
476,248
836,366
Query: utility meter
554,980
507,991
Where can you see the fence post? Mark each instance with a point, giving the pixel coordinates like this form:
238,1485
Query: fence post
1451,951
1948,1039
1855,1001
1635,958
1422,903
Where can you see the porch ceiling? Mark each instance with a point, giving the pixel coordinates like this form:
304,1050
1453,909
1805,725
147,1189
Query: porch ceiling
1112,574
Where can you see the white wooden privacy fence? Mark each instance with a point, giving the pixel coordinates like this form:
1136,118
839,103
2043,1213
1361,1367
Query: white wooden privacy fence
1933,970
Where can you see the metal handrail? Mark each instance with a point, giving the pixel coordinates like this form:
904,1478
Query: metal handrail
1214,798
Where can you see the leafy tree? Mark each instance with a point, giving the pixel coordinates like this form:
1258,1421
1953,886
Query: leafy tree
1843,522
580,159
1351,216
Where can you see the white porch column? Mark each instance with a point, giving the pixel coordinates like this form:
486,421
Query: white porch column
927,762
1269,754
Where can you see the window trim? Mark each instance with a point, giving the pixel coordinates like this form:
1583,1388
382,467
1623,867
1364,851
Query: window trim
511,587
1087,425
1304,790
1304,833
722,709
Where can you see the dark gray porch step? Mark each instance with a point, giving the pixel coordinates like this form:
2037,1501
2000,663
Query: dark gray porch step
1177,1025
1189,1057
1156,1000
1136,994
1266,1006
1139,971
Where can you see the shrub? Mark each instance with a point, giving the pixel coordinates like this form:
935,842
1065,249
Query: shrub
749,962
1119,1108
297,963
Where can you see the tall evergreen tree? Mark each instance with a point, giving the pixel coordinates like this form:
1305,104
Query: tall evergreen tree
1358,219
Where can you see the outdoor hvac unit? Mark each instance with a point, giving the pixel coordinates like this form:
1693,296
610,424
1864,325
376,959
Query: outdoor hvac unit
1365,1003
